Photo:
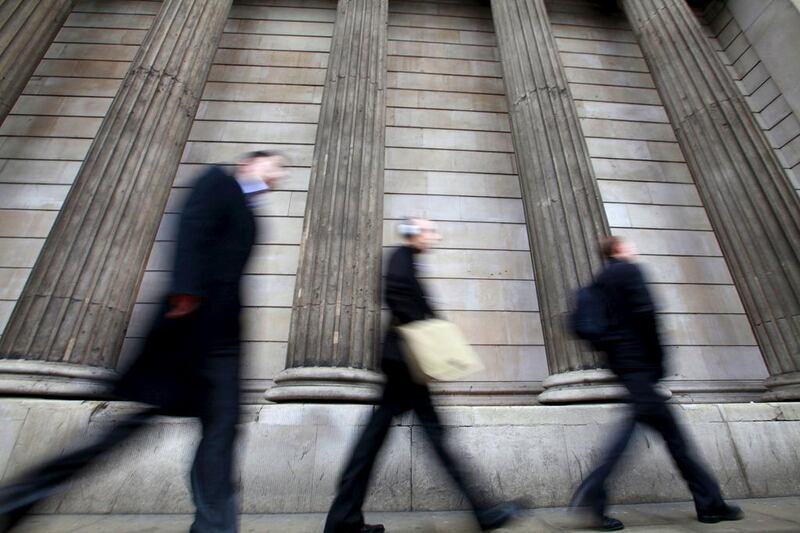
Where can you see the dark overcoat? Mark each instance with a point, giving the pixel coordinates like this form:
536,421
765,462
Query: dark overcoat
405,297
633,342
216,233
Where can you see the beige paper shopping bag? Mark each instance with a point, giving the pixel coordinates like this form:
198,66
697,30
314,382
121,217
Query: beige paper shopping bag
436,350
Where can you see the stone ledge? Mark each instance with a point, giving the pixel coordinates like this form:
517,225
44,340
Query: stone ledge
290,455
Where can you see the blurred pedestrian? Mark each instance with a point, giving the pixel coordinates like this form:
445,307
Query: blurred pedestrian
407,301
630,339
189,364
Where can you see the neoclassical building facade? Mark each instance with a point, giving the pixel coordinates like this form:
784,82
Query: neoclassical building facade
525,128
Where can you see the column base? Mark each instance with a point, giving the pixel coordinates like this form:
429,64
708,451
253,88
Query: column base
782,388
19,377
585,386
475,393
326,384
715,391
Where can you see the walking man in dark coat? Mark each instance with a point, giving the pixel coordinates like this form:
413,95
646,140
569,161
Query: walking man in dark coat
189,365
407,302
636,356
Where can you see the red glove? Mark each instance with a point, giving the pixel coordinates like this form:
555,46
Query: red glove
181,305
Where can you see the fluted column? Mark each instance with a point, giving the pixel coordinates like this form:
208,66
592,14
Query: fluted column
27,27
66,331
335,328
751,204
563,210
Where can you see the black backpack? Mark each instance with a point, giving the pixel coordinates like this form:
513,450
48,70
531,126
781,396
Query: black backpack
590,319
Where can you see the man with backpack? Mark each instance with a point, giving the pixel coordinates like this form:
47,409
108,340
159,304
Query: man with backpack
617,315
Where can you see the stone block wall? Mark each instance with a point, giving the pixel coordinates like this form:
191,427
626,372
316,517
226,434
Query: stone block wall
650,197
47,135
290,456
263,92
756,41
450,158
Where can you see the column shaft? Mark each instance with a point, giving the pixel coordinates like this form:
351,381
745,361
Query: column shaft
26,31
75,308
563,209
749,199
335,325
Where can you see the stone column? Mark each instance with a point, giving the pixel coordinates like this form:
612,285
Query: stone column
27,29
751,204
66,331
563,209
335,328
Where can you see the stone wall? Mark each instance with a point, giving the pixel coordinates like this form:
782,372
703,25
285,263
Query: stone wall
47,135
290,455
757,41
449,157
650,197
263,92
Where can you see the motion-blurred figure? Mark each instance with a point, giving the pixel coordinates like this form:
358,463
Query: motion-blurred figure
189,365
635,354
407,302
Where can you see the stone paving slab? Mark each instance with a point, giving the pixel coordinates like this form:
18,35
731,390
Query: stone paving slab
763,516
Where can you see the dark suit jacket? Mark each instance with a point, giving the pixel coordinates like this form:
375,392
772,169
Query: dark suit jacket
216,233
405,297
633,342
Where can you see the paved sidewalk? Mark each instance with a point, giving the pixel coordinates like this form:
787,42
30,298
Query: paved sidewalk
763,516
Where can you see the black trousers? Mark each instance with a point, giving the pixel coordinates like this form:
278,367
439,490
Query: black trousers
211,476
650,408
400,395
49,478
213,487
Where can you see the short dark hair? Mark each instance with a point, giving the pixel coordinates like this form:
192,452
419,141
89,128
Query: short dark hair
258,153
607,246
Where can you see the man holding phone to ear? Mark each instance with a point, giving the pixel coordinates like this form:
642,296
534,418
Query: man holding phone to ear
407,301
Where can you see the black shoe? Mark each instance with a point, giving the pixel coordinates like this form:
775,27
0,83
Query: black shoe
364,528
606,523
726,512
371,528
7,522
498,515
